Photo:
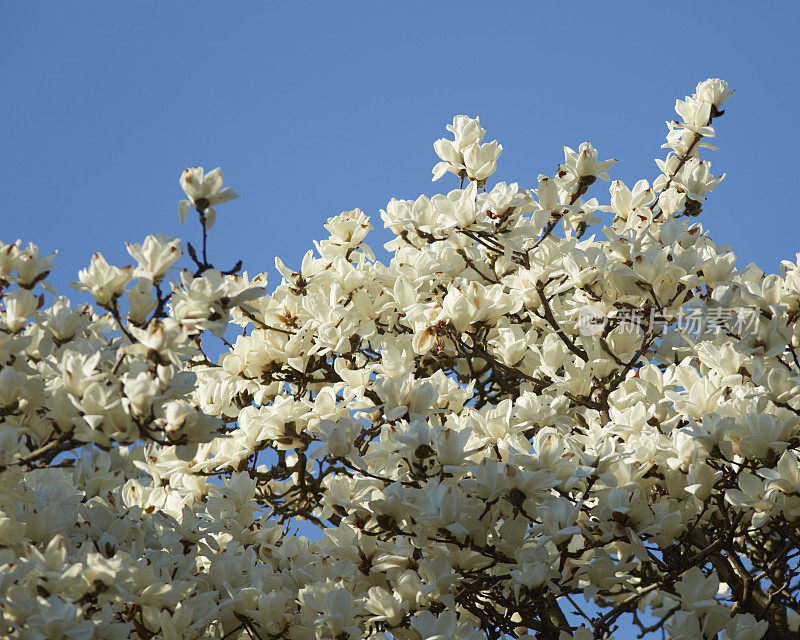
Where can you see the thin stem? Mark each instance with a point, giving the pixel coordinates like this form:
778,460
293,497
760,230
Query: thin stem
205,237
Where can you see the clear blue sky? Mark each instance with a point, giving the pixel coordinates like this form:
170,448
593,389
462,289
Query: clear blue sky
312,109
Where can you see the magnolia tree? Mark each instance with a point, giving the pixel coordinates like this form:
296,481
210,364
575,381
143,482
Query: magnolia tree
544,418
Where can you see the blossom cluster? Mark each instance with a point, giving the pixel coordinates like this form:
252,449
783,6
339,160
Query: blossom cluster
475,464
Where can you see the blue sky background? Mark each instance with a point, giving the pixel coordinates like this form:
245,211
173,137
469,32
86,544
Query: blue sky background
312,109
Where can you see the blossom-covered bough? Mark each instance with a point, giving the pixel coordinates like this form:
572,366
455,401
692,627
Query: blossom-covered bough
545,417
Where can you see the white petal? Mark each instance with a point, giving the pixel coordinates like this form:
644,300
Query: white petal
183,210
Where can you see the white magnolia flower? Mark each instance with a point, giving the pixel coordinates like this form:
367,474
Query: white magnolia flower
695,116
204,192
466,131
466,156
584,163
19,305
155,256
696,180
445,625
104,281
480,160
714,91
31,265
384,606
9,258
627,203
745,627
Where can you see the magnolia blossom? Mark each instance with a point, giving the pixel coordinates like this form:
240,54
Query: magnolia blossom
204,191
466,156
155,255
714,91
584,162
104,281
539,415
